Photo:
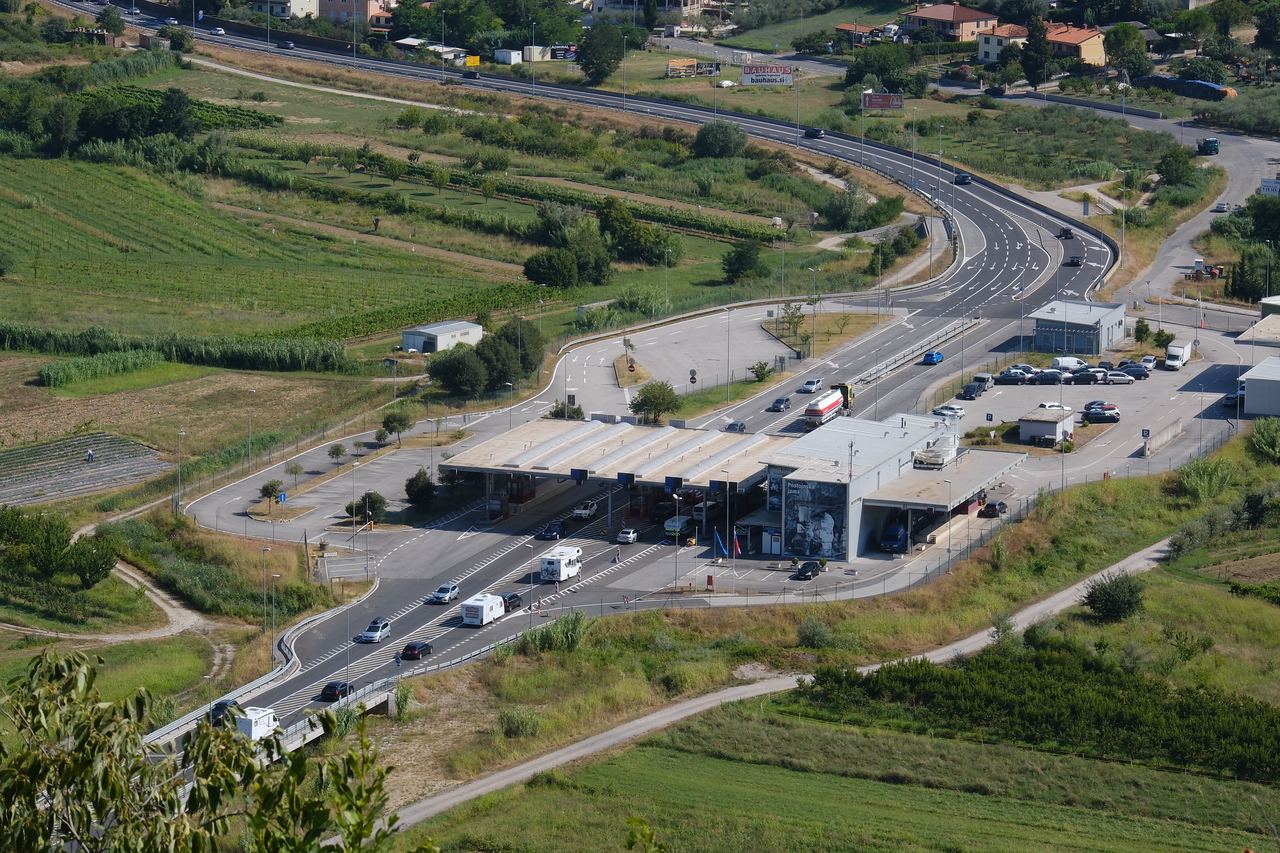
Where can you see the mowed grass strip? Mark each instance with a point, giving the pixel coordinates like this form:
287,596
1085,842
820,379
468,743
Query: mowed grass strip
165,667
710,804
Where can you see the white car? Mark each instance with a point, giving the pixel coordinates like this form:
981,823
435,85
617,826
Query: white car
1149,362
950,410
629,535
812,386
379,629
1057,406
584,510
1118,377
1221,207
445,593
217,31
172,22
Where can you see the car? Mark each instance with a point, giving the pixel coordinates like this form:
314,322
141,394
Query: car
781,404
1096,404
933,357
1059,406
994,91
554,530
1137,371
1232,401
134,10
217,31
417,650
1025,368
1065,233
585,510
1124,362
1119,377
379,629
335,690
963,178
444,593
511,601
1149,362
220,713
1106,365
949,410
1087,376
628,535
1074,261
815,133
470,75
808,570
1221,207
993,509
736,426
1103,415
1012,377
812,386
661,511
285,45
1048,377
972,391
172,22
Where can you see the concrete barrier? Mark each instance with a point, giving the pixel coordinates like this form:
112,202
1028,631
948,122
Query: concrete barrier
1161,437
1089,103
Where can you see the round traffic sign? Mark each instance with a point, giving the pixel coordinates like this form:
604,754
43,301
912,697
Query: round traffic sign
693,380
631,368
693,372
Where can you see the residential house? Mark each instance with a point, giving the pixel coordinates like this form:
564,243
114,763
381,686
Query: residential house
377,12
857,33
952,21
992,42
288,8
1083,44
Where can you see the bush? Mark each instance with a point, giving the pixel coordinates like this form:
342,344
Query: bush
815,634
1206,478
1113,596
519,721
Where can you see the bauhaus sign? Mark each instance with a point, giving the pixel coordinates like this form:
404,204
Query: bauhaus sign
767,75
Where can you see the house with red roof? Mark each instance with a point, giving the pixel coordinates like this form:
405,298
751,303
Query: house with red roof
953,21
992,42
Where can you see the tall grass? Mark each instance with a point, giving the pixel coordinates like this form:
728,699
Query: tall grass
60,373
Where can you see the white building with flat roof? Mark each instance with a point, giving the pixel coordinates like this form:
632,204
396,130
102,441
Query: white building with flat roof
439,337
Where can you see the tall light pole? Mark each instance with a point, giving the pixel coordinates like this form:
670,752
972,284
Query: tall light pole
913,147
1124,205
533,64
353,37
180,435
950,508
208,679
248,456
274,578
728,373
940,168
814,343
876,356
354,466
731,551
624,58
265,551
675,579
666,286
1268,269
510,415
532,557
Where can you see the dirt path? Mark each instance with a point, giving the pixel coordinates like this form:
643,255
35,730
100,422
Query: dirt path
1143,561
482,265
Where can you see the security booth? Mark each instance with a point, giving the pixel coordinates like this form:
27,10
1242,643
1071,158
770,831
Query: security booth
1046,427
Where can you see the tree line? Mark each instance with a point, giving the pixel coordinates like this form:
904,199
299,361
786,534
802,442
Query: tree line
37,555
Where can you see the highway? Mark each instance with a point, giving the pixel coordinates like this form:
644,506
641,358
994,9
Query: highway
1011,263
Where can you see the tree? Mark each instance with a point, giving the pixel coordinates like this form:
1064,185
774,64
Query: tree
845,210
1175,167
489,189
179,37
397,421
1141,331
459,371
761,370
381,435
337,451
565,412
501,361
1268,18
270,491
1124,40
111,20
553,268
600,52
394,169
888,62
654,400
525,339
650,14
1229,13
420,490
1265,440
176,114
440,180
720,139
743,261
293,469
7,263
91,559
1162,339
1206,69
1196,25
62,124
1037,54
371,506
1113,596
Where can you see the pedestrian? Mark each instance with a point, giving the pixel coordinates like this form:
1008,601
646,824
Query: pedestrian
397,660
89,455
557,587
617,554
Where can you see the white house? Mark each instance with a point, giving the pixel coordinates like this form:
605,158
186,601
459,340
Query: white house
439,337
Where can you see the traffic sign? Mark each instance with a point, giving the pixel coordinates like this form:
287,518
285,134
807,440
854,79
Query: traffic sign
990,417
693,380
693,372
1146,433
631,368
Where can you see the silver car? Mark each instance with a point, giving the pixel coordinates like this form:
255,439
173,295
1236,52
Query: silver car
1118,377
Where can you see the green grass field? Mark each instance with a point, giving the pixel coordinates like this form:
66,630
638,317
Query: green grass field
783,33
113,606
166,667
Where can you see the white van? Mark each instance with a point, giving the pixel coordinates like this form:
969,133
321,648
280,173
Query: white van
1068,362
988,381
257,723
482,609
560,564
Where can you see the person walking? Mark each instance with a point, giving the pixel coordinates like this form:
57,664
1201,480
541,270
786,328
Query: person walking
89,456
397,660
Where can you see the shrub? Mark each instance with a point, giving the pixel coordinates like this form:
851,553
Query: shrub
1205,478
1113,596
519,721
815,634
1265,440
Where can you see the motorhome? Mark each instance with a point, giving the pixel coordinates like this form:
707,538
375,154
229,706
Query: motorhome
482,609
560,564
257,723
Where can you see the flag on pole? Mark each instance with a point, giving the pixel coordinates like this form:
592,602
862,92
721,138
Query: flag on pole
720,549
737,549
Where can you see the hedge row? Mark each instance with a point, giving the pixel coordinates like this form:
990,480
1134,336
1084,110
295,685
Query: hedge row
286,353
99,366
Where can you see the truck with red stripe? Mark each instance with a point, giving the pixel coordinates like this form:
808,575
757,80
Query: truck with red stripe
823,409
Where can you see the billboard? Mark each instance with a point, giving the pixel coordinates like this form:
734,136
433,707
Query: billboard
767,75
473,60
682,67
565,51
883,101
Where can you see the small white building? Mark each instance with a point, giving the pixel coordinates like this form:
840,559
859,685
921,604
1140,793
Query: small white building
1073,326
508,57
1043,427
1262,388
439,337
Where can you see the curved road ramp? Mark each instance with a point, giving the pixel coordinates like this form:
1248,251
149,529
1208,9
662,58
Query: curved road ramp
63,469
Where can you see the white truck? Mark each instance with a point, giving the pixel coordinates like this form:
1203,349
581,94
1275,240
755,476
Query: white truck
257,723
560,564
678,527
707,511
482,609
1178,354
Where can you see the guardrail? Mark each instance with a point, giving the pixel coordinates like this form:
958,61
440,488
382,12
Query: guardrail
889,365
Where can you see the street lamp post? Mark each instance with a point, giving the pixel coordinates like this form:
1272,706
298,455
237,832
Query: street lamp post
913,147
510,409
1268,269
814,342
354,466
624,59
209,678
876,368
666,286
950,509
274,578
248,456
728,373
1124,205
264,596
730,551
675,579
533,65
532,557
180,435
940,127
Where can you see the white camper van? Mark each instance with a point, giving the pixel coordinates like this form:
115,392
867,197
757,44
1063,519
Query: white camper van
482,609
257,723
560,564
